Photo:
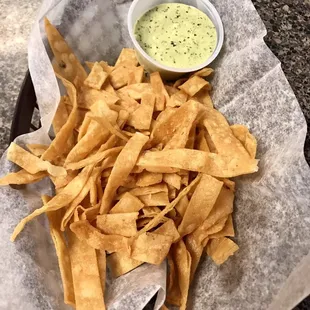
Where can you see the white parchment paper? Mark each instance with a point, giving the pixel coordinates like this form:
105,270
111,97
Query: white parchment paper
272,209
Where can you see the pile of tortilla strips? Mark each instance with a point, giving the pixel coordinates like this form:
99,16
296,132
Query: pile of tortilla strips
141,173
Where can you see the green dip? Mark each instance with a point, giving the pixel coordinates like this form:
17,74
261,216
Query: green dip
176,35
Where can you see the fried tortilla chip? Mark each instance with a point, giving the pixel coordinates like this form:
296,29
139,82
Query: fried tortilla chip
62,252
61,115
177,99
199,161
182,261
193,85
135,91
157,219
123,224
159,90
172,179
157,199
201,142
125,162
168,229
94,238
173,289
37,149
63,141
88,96
135,75
176,126
200,205
96,77
120,263
146,178
57,202
141,118
203,96
222,208
95,136
153,189
127,56
96,158
203,72
119,76
222,136
22,177
102,266
66,63
182,206
104,65
249,142
127,204
220,249
218,226
194,245
151,248
32,163
227,231
86,278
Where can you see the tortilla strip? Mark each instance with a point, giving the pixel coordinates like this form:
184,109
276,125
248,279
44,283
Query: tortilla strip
199,161
86,278
120,263
96,158
153,200
157,219
128,203
59,201
182,261
200,205
159,90
227,231
96,77
141,118
61,115
151,248
123,224
127,56
203,72
168,229
94,137
220,249
63,141
88,97
135,91
193,85
175,126
22,177
125,162
135,75
249,142
62,252
146,178
222,136
37,149
32,163
67,64
92,236
177,99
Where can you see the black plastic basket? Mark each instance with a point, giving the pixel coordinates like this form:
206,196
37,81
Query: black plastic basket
25,109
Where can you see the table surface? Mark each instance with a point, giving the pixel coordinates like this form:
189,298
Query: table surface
287,23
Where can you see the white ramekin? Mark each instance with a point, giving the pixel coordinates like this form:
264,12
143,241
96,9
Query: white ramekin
139,7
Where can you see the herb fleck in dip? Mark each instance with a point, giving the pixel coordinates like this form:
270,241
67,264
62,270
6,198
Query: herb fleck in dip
176,35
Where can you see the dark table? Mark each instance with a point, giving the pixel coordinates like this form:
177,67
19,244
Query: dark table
288,26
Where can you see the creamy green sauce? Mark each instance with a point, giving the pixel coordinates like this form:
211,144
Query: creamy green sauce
176,35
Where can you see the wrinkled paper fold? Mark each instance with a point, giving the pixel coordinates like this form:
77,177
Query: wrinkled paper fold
272,213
